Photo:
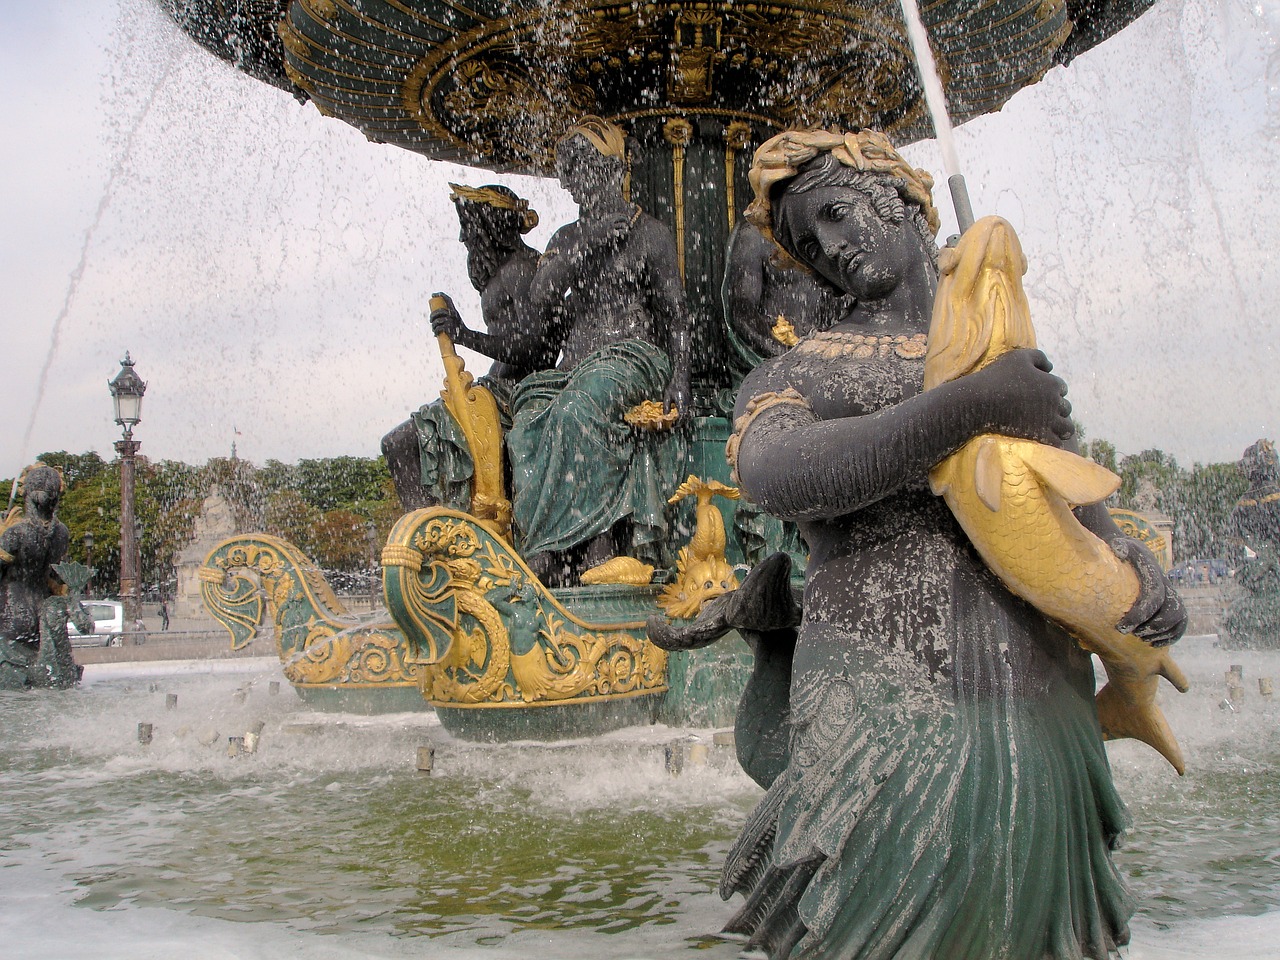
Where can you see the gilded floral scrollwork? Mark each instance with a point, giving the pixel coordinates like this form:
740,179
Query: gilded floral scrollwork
248,578
488,633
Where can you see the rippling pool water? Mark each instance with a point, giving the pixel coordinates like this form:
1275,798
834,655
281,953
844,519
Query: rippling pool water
328,843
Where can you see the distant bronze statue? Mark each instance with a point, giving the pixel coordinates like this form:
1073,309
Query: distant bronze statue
770,300
428,456
29,548
936,779
55,665
1253,620
608,298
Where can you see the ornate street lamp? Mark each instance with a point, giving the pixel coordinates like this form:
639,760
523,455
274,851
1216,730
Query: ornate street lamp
126,393
88,562
371,540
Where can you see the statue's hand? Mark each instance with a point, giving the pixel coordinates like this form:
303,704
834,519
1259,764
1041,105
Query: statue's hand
1023,398
678,396
605,233
445,318
1158,615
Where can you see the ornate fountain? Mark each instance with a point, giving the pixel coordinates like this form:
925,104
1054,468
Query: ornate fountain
696,87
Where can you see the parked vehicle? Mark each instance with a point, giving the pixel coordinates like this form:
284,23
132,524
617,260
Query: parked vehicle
1200,570
108,625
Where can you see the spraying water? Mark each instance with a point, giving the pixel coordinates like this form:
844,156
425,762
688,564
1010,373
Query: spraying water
73,285
936,100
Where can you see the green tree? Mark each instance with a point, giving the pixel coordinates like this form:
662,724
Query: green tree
288,516
340,541
76,467
342,482
1103,453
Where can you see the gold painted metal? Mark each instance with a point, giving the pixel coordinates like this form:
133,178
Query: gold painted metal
737,137
476,412
1250,502
469,591
702,572
651,415
495,85
695,49
474,94
678,132
499,201
1014,497
1135,525
784,332
619,570
252,576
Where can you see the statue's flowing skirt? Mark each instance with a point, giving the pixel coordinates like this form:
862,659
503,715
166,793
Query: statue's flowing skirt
578,466
972,817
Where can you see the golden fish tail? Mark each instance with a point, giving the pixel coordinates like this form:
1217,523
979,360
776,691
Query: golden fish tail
1126,716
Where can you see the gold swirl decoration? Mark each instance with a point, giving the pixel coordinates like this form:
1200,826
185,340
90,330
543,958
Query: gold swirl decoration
487,633
249,577
494,86
1147,530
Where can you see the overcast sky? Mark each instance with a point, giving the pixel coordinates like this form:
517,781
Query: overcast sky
269,268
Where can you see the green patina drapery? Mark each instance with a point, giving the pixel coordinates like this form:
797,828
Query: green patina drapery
578,467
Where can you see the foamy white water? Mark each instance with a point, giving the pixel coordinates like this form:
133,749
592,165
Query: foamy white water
328,844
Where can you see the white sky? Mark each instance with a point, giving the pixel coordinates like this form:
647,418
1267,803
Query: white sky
269,268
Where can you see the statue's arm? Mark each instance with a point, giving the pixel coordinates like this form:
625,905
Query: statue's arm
671,310
542,315
743,292
520,345
799,467
517,344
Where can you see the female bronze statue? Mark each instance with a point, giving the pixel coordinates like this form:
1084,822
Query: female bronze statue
944,790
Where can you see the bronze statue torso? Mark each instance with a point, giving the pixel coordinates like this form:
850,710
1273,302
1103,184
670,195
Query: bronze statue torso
893,587
611,301
35,545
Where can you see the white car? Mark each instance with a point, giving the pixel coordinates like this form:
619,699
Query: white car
108,625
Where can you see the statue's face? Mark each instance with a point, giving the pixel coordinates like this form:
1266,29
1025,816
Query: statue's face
583,171
42,489
473,230
837,231
482,253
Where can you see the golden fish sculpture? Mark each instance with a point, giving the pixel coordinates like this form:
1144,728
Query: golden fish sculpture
1014,498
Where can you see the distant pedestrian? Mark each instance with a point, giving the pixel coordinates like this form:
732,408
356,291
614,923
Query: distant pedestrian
164,615
139,631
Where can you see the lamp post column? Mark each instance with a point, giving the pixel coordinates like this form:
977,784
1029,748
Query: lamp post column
126,396
130,561
88,551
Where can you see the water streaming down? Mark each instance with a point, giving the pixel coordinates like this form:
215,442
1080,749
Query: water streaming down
328,844
77,273
936,99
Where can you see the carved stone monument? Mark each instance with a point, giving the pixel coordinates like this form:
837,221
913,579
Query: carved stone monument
214,524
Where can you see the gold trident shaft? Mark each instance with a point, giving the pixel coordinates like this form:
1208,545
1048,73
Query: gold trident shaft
476,412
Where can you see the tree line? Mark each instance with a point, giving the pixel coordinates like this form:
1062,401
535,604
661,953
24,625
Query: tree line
324,506
328,507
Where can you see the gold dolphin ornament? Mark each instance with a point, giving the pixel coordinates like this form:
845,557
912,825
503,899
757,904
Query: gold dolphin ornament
1014,498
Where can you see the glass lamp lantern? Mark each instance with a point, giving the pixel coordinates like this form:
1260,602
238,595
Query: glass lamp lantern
126,393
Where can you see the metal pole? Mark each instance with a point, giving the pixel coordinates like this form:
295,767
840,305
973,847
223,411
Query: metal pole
129,558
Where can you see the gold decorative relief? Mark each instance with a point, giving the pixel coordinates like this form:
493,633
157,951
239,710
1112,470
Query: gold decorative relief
487,633
249,578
